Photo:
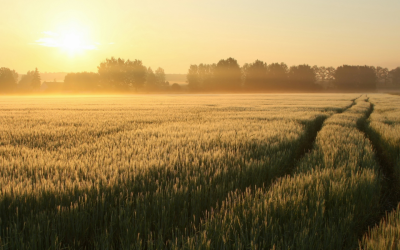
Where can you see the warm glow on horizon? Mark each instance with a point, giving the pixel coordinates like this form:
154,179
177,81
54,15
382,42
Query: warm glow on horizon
74,36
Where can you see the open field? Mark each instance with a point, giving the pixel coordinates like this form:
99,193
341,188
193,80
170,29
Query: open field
199,172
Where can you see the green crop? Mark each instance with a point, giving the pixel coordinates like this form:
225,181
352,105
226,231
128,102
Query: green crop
325,204
188,171
384,130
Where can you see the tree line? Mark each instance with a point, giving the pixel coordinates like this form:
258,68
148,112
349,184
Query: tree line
9,80
119,75
227,75
114,75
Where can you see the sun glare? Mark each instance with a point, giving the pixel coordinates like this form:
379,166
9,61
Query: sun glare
71,40
74,43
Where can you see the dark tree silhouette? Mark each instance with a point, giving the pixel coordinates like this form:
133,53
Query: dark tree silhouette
394,75
367,78
330,74
324,76
321,73
8,79
255,75
227,75
302,77
277,75
355,78
346,77
382,75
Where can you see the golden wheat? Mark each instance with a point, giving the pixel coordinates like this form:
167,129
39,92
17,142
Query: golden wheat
143,171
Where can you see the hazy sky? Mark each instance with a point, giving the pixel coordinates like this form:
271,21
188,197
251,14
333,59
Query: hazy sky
74,35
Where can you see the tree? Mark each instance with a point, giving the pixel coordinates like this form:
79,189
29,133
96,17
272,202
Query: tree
25,83
151,80
355,78
192,77
324,75
244,71
160,78
201,76
207,75
277,75
176,87
330,74
255,75
119,74
346,77
36,81
320,73
227,75
394,75
8,79
382,75
113,73
367,78
136,73
302,77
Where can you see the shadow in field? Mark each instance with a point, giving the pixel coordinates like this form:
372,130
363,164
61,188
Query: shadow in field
390,195
145,209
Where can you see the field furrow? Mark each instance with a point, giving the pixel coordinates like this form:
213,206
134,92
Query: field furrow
384,131
326,203
125,176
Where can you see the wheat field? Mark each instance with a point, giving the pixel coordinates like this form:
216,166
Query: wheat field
298,171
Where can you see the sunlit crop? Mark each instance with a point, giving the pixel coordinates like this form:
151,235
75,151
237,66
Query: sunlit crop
239,171
384,130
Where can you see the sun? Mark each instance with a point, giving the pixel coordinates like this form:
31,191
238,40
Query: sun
72,41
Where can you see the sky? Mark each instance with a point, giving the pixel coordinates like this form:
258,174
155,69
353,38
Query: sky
74,36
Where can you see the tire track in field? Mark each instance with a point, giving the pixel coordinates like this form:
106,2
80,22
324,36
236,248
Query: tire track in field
311,130
309,142
259,211
389,194
306,147
312,133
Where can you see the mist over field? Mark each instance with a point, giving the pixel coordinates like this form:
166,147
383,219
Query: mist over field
116,75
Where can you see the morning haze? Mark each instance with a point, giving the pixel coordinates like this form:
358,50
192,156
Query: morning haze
74,36
199,124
